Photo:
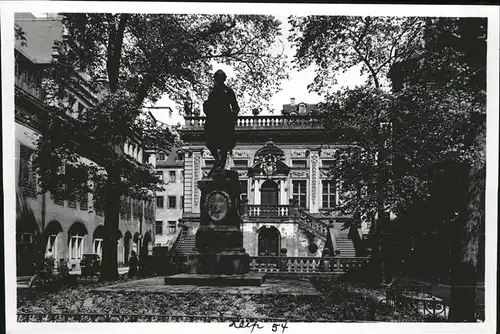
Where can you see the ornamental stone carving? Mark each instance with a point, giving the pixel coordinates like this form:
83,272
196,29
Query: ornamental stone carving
242,172
240,153
325,172
304,153
328,153
196,176
314,175
300,174
206,154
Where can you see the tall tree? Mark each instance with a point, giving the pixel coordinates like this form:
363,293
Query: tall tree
435,116
130,60
333,44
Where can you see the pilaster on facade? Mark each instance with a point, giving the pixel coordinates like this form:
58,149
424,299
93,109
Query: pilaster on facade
314,201
197,175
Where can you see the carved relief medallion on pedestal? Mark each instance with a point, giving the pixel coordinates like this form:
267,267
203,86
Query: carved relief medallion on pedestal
218,204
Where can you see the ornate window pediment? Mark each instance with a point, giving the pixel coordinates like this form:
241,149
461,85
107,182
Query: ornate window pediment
268,161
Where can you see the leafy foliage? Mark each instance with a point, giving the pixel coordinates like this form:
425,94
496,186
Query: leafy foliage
174,54
404,140
338,302
336,43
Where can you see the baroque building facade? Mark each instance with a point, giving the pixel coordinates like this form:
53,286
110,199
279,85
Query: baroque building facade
288,201
70,228
170,201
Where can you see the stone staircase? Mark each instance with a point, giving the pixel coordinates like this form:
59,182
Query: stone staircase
184,243
345,245
319,228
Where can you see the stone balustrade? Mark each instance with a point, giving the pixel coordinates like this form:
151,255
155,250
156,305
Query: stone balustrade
313,224
268,210
306,264
258,122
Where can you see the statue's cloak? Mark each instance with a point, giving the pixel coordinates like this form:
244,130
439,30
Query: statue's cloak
221,110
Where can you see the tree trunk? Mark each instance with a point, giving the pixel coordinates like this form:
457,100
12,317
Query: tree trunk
464,271
109,268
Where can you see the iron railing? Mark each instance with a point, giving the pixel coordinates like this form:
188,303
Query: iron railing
419,297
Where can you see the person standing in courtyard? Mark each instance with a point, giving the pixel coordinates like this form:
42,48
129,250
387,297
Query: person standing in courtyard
133,264
221,110
49,259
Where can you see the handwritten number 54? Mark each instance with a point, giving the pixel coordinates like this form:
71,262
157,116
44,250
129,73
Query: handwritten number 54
277,326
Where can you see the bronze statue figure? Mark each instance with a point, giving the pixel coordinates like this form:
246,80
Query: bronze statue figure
221,110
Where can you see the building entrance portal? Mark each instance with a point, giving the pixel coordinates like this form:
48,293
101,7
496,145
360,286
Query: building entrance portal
269,241
269,193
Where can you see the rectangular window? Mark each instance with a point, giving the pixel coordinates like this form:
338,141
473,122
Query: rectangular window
159,174
72,203
98,207
171,176
159,227
182,202
76,247
84,201
240,163
161,156
327,163
159,202
299,194
172,202
27,177
299,163
209,163
329,192
172,227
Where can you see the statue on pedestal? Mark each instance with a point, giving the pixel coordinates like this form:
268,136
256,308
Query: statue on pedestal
221,110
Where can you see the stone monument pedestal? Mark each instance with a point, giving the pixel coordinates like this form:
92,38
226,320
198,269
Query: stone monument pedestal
219,253
225,262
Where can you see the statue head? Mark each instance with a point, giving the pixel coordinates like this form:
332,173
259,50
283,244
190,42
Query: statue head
219,77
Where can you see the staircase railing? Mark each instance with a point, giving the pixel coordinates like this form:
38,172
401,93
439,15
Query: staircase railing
312,224
178,240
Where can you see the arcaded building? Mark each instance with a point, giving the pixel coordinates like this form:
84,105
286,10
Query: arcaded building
69,228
